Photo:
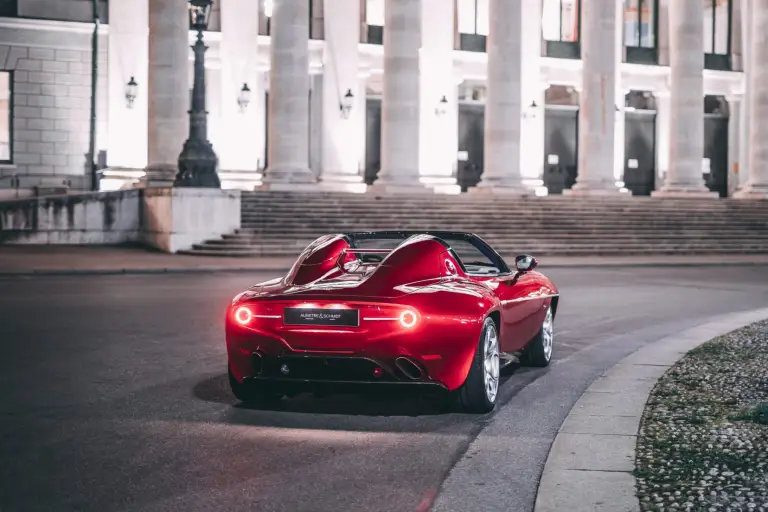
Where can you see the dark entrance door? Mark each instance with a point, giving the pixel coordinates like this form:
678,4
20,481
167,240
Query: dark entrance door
716,150
561,136
372,139
640,152
471,144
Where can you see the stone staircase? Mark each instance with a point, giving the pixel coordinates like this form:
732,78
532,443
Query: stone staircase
283,223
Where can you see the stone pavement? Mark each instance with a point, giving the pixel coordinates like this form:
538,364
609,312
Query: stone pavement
58,259
590,463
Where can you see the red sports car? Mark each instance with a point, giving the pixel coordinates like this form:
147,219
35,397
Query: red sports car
403,308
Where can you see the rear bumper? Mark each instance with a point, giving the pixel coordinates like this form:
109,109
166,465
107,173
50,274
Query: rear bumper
312,372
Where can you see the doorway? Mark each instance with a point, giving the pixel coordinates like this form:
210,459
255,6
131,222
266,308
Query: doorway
640,143
715,168
471,144
561,147
372,139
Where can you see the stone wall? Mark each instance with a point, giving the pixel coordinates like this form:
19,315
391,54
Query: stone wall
95,218
64,10
168,219
51,64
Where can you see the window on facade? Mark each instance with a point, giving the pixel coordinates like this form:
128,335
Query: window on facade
560,20
640,30
560,24
640,23
717,33
473,21
6,101
717,26
374,20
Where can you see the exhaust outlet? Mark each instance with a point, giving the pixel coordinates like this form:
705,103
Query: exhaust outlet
409,368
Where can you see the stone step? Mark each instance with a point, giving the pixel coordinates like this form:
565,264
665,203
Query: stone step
311,206
533,245
486,230
596,251
631,205
519,237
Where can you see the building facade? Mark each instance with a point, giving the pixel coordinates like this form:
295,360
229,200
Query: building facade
580,97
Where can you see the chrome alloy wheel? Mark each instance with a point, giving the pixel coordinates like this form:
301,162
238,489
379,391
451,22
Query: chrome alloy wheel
548,334
491,363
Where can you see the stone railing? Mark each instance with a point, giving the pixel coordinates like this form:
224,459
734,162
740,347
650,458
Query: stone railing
170,219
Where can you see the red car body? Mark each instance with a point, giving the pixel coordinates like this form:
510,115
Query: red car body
414,317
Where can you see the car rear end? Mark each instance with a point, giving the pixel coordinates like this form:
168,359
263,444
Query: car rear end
340,342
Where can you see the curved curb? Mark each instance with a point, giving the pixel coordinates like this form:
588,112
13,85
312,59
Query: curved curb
590,462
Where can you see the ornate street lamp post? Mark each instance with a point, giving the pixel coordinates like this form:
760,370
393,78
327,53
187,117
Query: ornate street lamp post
198,162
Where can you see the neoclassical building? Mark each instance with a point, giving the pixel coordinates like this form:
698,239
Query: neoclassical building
556,96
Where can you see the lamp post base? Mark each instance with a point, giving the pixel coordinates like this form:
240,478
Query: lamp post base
197,165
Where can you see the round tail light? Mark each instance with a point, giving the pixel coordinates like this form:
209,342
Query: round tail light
243,315
408,319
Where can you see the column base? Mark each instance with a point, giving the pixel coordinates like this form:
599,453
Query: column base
289,178
750,191
338,182
685,193
155,177
596,188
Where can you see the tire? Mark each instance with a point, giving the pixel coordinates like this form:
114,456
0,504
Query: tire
252,394
538,353
480,391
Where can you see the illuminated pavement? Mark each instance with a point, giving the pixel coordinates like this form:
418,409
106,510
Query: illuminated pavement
114,397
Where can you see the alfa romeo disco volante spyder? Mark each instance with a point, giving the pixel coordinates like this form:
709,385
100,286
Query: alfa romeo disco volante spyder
401,308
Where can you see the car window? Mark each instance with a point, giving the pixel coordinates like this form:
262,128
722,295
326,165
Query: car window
474,261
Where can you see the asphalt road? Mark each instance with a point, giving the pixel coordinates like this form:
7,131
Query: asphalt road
113,396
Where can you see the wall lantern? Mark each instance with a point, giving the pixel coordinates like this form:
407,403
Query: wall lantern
131,91
442,107
346,104
244,99
530,110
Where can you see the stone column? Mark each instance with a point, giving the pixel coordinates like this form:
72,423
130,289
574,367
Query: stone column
288,150
619,141
686,59
757,73
744,113
241,128
128,51
503,109
438,138
400,102
342,136
533,91
662,134
168,91
736,111
597,111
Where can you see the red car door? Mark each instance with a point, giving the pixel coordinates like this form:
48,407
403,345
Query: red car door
520,305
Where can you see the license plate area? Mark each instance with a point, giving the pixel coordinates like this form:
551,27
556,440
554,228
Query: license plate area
322,317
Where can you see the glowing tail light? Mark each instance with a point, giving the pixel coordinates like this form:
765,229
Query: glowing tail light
408,319
243,315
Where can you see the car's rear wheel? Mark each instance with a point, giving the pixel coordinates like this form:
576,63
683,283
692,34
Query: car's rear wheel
252,394
481,389
539,350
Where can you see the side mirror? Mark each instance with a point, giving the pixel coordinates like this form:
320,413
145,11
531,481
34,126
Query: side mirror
525,263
